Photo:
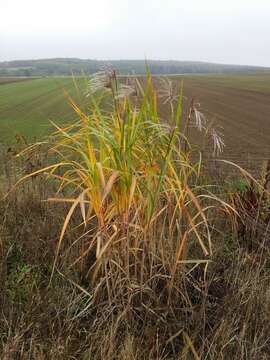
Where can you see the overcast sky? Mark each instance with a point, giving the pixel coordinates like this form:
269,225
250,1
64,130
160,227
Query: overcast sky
224,31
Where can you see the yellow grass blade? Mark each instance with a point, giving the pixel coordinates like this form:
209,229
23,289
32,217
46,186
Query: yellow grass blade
132,190
193,227
101,174
82,207
190,345
40,171
100,253
109,185
66,222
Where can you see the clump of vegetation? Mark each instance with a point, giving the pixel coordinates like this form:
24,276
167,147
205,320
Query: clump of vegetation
140,269
251,199
142,202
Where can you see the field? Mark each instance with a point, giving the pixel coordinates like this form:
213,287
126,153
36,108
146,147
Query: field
27,106
239,104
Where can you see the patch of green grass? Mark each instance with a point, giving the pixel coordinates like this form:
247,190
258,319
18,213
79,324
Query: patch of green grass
22,278
26,107
239,185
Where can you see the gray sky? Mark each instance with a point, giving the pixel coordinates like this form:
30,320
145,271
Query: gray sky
224,31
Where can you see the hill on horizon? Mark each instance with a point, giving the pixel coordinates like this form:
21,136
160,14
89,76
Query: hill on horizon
67,66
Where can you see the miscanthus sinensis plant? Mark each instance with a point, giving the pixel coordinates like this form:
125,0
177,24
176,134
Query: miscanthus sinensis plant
146,214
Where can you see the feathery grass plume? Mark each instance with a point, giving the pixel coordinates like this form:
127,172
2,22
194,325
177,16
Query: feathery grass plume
100,81
172,96
196,118
125,91
199,121
218,142
167,91
106,80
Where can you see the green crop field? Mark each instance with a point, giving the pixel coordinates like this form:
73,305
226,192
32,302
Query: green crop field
238,103
26,107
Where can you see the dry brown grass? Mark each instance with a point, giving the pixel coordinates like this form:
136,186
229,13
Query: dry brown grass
224,312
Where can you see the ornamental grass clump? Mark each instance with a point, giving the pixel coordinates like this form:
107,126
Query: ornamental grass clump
146,217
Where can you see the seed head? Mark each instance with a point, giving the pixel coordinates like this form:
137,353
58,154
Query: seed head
101,80
167,92
218,142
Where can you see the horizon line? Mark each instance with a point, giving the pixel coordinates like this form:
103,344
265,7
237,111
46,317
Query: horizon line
134,59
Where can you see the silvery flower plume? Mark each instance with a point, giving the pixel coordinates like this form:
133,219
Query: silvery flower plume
218,142
199,118
167,91
125,91
101,80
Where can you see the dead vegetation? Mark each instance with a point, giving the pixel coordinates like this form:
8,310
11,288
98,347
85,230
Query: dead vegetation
222,313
